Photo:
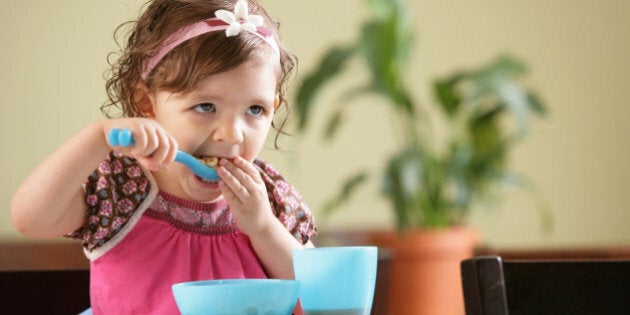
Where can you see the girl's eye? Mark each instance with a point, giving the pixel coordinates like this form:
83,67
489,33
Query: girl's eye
204,108
255,110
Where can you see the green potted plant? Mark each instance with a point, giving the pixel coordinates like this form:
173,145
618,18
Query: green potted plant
432,186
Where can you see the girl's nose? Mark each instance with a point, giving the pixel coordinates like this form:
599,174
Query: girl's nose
229,131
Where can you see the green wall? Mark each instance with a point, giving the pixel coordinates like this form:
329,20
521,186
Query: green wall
54,54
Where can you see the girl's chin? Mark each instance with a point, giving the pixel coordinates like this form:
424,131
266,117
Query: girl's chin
204,191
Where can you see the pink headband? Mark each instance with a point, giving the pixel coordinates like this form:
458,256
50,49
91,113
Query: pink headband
232,23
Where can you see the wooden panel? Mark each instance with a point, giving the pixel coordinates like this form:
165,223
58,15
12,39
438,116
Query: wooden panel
597,253
363,237
42,256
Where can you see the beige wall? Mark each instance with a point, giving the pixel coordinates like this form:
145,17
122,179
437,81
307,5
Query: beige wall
54,54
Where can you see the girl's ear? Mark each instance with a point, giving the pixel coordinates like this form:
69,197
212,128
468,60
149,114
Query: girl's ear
276,103
144,100
145,104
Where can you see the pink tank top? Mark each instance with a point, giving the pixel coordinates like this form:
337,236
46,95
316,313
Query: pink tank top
175,241
141,241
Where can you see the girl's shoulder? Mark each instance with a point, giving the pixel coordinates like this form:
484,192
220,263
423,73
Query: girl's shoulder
287,203
113,193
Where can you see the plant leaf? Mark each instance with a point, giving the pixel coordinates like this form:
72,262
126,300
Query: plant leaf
381,8
496,86
333,123
536,104
386,45
330,65
348,188
447,94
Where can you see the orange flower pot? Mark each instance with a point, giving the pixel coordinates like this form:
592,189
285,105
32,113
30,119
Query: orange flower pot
425,276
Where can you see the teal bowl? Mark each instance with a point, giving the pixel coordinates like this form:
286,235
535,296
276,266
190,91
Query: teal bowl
237,296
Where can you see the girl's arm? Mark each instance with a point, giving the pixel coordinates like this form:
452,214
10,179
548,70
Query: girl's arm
274,246
245,192
51,201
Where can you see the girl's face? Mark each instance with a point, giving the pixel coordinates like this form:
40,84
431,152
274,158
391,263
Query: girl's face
227,115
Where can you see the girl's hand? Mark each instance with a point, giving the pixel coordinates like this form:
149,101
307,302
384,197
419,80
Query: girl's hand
245,192
153,147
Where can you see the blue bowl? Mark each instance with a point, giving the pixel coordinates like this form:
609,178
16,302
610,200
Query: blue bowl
237,296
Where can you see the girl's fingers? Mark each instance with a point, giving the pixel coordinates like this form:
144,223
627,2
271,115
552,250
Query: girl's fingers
249,169
243,170
153,146
227,192
140,138
153,142
163,148
172,152
232,184
240,176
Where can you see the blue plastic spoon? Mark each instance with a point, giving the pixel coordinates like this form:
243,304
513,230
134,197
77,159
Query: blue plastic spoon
124,138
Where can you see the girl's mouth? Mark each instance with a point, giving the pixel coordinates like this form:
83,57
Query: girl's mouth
209,161
206,181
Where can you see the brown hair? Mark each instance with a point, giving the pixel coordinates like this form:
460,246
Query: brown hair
184,66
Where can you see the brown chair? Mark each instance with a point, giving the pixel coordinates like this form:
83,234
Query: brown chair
493,286
43,278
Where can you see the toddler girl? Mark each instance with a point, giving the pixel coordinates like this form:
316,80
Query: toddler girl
205,77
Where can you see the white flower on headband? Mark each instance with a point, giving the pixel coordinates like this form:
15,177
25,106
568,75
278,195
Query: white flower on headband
240,19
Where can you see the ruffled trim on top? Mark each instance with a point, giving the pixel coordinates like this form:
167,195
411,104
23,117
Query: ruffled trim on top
287,204
119,192
196,217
